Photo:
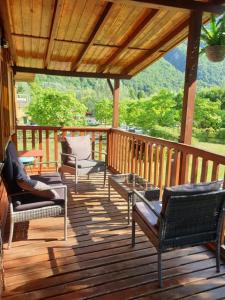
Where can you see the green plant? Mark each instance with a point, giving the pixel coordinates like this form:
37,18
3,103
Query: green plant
214,34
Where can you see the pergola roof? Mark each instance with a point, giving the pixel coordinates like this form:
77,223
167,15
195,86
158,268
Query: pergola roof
96,38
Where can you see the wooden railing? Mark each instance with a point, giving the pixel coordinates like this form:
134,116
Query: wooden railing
47,139
162,162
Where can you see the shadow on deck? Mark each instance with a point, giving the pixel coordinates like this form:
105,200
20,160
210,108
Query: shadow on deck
98,261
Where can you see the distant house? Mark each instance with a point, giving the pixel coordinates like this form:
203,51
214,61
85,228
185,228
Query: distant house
22,102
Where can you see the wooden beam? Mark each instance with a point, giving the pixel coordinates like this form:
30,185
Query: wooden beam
69,73
55,20
110,85
212,7
93,35
156,48
116,98
140,28
5,20
190,76
190,88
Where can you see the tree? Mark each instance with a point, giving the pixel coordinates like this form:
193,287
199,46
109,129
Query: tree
207,114
103,111
55,108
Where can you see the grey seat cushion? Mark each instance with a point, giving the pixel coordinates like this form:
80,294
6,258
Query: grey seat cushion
87,164
30,201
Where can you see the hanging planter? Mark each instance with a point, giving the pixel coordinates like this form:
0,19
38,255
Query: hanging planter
215,53
214,38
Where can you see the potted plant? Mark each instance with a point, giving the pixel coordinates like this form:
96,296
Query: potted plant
214,38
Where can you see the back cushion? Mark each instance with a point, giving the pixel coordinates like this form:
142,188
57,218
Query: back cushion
189,189
8,170
80,146
36,187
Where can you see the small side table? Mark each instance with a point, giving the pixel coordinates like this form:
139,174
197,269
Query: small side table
125,184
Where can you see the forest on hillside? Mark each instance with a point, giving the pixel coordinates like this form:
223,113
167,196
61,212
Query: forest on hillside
168,72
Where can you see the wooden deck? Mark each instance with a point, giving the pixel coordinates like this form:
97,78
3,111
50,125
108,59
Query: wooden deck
98,262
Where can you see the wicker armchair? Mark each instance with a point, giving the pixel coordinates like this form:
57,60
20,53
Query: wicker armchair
25,206
76,158
188,221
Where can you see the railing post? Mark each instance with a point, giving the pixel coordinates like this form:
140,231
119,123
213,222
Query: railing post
195,24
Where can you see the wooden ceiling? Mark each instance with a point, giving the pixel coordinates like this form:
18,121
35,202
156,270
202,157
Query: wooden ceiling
95,38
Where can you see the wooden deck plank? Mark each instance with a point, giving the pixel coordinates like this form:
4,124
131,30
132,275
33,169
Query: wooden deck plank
97,261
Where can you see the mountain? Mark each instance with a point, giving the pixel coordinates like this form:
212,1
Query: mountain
209,73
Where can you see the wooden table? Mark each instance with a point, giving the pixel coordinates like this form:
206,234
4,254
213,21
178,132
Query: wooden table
125,184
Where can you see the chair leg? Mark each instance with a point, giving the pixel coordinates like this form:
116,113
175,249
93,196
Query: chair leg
76,181
133,233
11,234
65,226
218,257
104,178
160,269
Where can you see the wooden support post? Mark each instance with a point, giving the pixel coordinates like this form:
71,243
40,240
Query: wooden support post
116,96
195,24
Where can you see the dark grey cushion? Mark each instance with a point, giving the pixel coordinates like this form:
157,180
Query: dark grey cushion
8,169
189,189
79,146
36,187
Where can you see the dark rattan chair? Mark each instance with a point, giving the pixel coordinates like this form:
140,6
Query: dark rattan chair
76,158
25,206
188,221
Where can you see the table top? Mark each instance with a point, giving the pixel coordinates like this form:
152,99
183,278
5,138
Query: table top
131,181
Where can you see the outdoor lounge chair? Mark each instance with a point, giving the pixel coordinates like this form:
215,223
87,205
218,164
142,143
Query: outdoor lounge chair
41,196
76,158
186,221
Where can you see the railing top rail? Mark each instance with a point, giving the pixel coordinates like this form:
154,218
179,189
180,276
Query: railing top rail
67,128
187,149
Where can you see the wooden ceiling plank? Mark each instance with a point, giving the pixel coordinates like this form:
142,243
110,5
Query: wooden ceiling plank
69,73
94,33
53,31
216,7
5,17
158,47
140,28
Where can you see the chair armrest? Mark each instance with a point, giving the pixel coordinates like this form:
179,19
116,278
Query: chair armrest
46,162
66,154
148,203
102,152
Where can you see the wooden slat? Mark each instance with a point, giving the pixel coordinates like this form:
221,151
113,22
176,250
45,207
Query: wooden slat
100,146
161,167
156,165
213,7
148,53
56,155
138,30
168,166
47,145
24,139
194,171
215,171
96,30
56,16
151,153
176,168
146,160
